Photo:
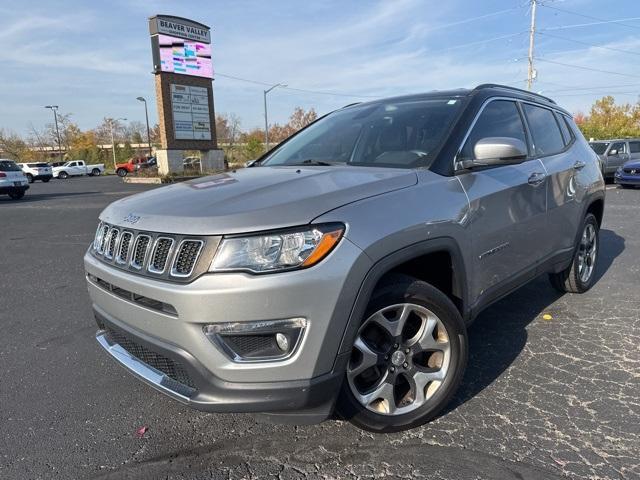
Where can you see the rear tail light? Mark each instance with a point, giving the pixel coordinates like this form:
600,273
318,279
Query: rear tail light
2,174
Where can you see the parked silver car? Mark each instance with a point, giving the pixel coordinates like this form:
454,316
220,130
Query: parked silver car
615,153
338,274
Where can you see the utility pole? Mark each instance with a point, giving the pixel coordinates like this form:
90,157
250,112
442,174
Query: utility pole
113,141
54,109
146,114
266,122
532,33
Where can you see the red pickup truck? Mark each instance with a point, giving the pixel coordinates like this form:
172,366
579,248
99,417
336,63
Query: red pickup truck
123,169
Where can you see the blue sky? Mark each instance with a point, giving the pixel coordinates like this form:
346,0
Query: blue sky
94,58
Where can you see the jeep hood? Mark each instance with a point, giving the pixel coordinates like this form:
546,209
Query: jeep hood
253,199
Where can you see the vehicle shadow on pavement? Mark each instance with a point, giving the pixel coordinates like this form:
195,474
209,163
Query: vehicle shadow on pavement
499,334
38,197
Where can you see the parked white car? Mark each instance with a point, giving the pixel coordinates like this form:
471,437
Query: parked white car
37,171
13,181
77,167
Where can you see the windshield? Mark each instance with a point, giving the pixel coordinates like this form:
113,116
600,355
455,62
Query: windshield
401,134
599,147
9,166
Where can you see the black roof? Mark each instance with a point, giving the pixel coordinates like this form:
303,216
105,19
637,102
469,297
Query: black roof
486,89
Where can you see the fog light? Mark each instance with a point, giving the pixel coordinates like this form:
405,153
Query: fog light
282,341
267,340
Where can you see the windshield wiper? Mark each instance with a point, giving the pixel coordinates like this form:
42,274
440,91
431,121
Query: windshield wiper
311,161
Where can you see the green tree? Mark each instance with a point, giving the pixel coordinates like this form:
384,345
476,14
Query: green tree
606,119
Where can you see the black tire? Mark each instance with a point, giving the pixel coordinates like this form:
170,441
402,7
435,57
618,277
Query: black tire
45,180
626,186
569,280
63,175
29,178
121,172
16,195
402,289
95,172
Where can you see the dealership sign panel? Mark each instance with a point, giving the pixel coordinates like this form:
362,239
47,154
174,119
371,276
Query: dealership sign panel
190,108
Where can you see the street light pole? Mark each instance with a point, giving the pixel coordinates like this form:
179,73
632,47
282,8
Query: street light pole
146,115
54,109
113,141
266,121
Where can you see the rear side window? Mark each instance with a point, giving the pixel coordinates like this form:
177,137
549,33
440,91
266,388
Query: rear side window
634,147
564,128
500,118
547,138
37,165
9,166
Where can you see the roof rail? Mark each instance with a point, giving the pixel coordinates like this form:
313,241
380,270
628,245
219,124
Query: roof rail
519,90
352,104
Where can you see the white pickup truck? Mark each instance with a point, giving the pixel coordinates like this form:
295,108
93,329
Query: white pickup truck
77,167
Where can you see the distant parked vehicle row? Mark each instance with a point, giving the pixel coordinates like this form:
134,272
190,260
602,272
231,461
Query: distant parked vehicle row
37,171
615,153
134,164
76,168
13,181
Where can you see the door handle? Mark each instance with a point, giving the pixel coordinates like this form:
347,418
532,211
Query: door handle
536,178
579,165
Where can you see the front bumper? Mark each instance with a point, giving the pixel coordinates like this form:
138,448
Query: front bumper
626,179
308,380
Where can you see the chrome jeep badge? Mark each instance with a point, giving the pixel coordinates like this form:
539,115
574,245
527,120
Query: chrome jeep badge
131,218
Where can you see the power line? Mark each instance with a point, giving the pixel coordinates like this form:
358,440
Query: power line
589,44
590,17
588,68
257,82
576,25
592,87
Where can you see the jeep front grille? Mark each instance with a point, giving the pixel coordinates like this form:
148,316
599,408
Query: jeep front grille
112,239
161,251
188,252
171,257
123,251
140,251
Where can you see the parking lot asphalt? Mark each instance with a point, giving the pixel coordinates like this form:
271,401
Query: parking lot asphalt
541,398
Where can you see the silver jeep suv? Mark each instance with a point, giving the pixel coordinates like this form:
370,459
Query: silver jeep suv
337,276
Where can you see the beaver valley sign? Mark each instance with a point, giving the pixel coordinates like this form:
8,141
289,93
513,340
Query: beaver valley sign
179,27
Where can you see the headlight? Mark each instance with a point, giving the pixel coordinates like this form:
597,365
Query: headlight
277,251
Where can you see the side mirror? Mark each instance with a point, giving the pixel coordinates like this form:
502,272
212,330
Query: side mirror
613,152
492,151
250,163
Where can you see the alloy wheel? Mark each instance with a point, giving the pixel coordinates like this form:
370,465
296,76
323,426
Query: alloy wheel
587,252
400,358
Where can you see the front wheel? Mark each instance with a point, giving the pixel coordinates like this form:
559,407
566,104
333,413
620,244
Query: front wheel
580,275
45,180
408,357
29,178
63,175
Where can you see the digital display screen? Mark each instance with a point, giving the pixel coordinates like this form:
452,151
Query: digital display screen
186,57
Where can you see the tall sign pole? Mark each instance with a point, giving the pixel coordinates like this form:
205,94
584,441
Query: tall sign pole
532,34
184,92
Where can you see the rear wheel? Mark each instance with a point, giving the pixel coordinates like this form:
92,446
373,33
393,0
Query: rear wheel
16,195
95,172
122,172
580,275
63,175
408,357
30,178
